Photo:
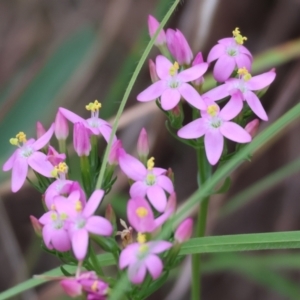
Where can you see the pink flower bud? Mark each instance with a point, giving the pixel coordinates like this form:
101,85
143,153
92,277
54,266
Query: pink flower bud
40,130
152,69
71,287
184,231
54,157
81,140
179,47
113,157
37,226
153,24
252,127
61,127
110,214
198,60
142,144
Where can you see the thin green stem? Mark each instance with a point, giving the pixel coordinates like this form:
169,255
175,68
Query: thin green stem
95,262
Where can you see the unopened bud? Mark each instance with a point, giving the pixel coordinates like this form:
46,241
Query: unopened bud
81,140
143,145
37,226
40,130
184,231
153,25
252,127
61,127
152,70
170,174
198,60
110,214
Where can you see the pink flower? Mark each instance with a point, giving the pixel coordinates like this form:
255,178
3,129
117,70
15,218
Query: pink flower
82,222
95,124
143,145
81,139
240,90
142,257
61,127
173,85
179,47
214,125
153,25
26,155
184,231
149,181
141,217
229,53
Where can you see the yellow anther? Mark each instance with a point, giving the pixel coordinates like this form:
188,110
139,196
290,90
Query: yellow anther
52,207
141,238
142,212
14,141
212,110
150,163
63,216
78,206
94,286
143,248
54,172
62,167
21,136
238,37
53,217
244,73
93,106
173,70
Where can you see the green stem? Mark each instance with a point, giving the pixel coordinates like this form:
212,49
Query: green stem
204,170
86,174
95,262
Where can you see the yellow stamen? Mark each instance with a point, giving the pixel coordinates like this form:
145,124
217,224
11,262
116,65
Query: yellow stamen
141,238
21,136
53,217
78,206
62,167
143,248
150,163
14,141
244,73
173,70
93,106
54,172
212,110
94,286
63,216
238,37
142,212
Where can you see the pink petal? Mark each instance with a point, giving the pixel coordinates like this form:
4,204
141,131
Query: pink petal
191,96
215,52
261,81
232,108
166,183
10,162
138,189
158,171
80,240
255,105
19,173
47,234
213,141
227,41
38,162
243,60
44,139
131,166
153,91
159,246
60,240
235,132
224,68
244,50
157,197
217,93
46,218
105,130
192,73
93,203
72,287
137,272
163,66
128,255
193,130
73,118
154,266
99,225
170,98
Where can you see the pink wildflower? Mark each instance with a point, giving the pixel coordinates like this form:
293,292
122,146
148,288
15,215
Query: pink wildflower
26,155
81,139
173,85
153,25
140,257
229,53
179,47
240,90
143,145
184,231
214,125
150,181
61,128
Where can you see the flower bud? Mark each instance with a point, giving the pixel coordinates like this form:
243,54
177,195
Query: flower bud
61,128
40,130
37,226
184,231
54,157
152,70
153,25
113,157
252,127
198,60
143,145
179,47
81,140
110,214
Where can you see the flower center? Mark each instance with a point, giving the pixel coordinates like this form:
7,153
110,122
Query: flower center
80,223
173,70
141,212
143,250
238,37
60,169
216,122
26,151
20,138
244,74
232,51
